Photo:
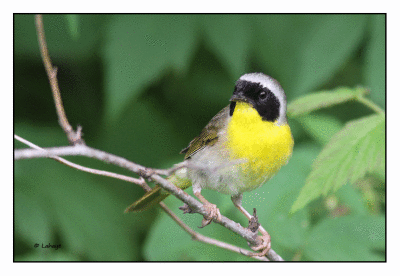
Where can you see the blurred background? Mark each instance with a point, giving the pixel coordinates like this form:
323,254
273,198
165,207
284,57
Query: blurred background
142,86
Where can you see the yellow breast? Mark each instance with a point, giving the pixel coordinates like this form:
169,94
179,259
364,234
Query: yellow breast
264,146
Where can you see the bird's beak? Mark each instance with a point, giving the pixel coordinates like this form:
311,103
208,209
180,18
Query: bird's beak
238,97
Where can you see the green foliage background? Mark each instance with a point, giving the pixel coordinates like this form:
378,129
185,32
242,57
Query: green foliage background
142,86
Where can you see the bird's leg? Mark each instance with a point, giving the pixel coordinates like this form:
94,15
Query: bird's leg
213,211
265,237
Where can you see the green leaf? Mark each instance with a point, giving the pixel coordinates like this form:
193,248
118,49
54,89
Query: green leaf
276,41
321,127
327,46
304,51
231,29
59,42
357,149
350,238
73,25
138,48
323,99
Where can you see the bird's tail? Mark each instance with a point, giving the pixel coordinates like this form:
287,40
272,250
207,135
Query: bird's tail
156,195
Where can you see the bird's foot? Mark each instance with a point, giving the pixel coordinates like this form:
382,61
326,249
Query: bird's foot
265,245
213,213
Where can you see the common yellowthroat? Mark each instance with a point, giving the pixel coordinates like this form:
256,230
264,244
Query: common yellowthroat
240,149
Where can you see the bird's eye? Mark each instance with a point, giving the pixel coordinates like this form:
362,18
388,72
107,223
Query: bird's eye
262,95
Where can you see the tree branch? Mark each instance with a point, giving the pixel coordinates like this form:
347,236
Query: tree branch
143,184
138,181
73,137
83,150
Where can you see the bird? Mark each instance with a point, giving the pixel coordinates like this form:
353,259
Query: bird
240,149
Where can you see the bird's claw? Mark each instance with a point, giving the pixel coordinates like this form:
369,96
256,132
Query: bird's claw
265,245
213,213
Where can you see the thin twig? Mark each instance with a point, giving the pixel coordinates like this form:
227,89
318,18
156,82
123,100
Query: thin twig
138,181
73,137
